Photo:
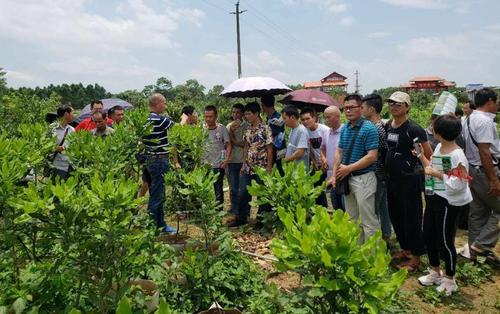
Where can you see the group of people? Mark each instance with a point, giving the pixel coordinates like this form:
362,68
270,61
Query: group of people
376,170
99,124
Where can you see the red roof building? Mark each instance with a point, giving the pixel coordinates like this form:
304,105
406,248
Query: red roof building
333,80
433,83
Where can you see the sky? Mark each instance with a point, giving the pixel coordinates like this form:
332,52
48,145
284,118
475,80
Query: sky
127,44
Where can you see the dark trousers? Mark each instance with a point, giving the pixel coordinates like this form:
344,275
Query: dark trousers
321,199
219,185
404,199
440,227
234,185
277,162
61,174
245,198
337,200
156,169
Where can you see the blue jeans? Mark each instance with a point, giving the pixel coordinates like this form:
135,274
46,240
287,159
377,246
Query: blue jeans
245,198
381,208
157,169
234,185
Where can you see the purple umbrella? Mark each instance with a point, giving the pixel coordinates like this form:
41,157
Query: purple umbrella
310,98
108,104
254,87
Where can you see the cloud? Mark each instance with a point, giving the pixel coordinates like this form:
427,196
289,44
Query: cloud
267,58
18,76
71,39
347,21
333,6
377,35
420,4
456,6
67,23
464,58
221,68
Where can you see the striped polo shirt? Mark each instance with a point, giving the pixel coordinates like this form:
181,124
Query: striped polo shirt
157,141
366,140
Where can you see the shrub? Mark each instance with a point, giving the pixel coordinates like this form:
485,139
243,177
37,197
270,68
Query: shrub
338,274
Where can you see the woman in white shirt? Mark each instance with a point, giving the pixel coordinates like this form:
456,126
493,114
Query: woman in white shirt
449,170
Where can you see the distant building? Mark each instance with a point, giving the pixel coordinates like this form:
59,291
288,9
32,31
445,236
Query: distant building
471,90
333,81
433,83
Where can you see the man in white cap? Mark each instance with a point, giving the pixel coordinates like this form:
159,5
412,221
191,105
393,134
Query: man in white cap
406,180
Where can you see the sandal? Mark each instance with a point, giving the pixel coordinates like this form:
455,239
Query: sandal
487,254
401,255
411,265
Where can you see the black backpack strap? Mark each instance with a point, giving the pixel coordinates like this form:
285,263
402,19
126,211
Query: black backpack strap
468,129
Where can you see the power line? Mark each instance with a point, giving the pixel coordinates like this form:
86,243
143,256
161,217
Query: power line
283,32
282,36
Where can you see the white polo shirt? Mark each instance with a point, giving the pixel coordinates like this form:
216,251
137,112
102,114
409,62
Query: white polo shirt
483,130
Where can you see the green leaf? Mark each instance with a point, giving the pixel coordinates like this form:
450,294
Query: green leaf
301,215
22,219
163,308
124,306
315,292
307,243
331,285
325,258
350,274
19,305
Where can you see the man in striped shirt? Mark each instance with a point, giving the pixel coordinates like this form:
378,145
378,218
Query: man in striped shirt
157,159
355,159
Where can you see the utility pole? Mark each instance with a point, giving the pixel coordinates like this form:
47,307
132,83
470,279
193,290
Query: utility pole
357,82
237,13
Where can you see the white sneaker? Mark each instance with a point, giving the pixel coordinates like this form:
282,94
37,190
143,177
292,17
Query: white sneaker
448,286
464,251
433,278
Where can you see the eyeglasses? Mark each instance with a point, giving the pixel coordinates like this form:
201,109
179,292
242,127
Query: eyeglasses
349,108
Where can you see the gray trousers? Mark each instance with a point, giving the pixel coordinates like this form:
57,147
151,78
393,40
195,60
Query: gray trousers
360,203
484,212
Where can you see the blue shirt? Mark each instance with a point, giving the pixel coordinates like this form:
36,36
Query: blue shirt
277,130
157,141
297,139
366,140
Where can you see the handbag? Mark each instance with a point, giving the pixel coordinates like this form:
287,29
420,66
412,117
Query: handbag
342,186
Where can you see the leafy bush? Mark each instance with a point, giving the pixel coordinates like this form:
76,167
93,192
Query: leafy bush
114,154
295,187
338,274
473,273
18,108
190,143
88,243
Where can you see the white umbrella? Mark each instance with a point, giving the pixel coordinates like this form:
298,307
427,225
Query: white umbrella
257,86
